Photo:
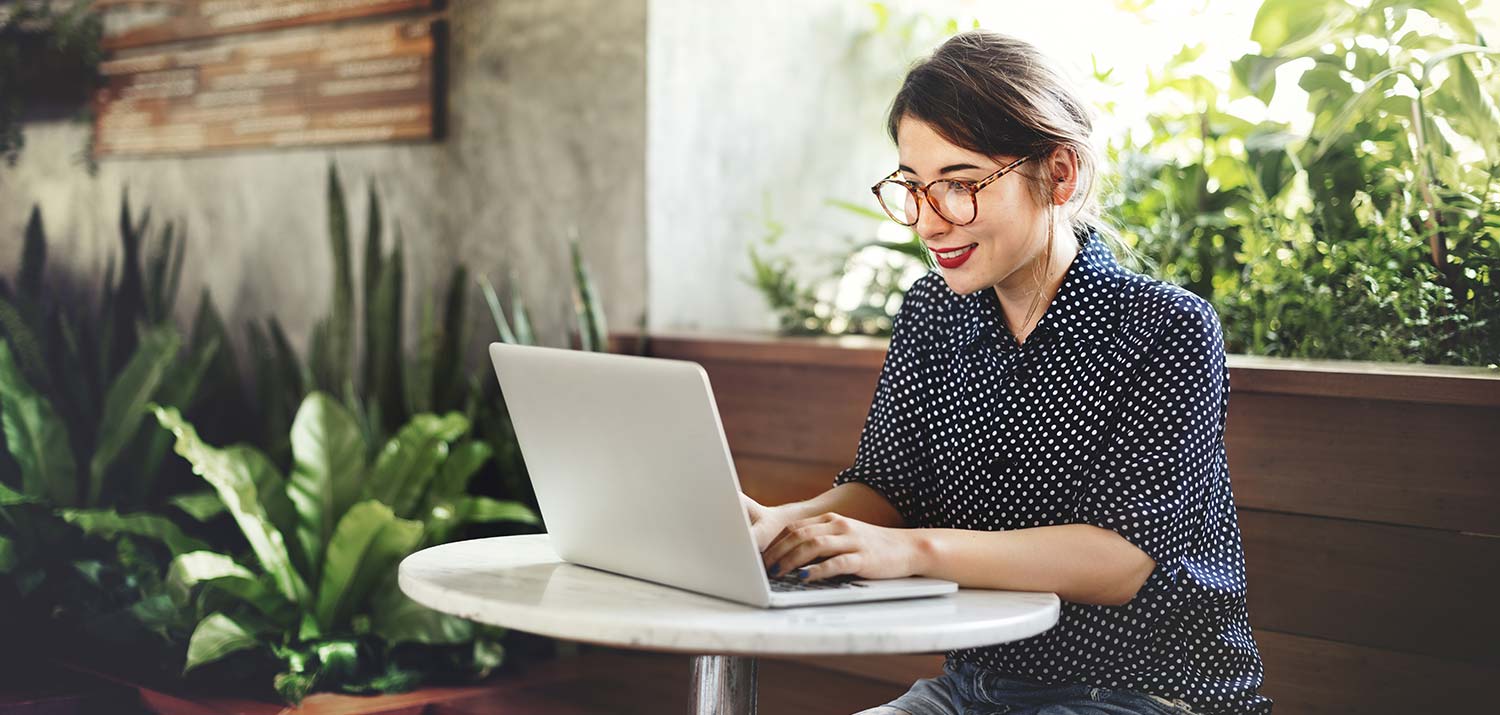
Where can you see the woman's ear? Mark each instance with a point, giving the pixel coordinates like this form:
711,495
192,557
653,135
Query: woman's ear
1064,175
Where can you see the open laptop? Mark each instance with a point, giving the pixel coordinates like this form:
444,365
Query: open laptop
633,476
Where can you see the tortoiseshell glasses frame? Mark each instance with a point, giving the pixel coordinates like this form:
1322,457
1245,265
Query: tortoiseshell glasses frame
915,192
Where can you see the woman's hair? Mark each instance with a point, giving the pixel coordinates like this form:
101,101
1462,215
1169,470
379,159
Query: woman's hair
995,94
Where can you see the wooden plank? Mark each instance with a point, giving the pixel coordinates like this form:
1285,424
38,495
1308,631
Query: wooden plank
795,412
778,481
1420,591
1401,382
1308,676
190,19
1396,462
371,82
1401,462
1417,590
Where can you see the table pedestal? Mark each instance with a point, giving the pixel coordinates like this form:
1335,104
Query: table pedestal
723,685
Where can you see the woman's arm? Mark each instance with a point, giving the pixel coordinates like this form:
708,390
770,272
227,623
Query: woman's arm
855,500
1079,562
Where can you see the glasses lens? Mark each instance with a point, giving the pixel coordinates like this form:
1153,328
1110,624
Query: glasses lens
955,199
899,202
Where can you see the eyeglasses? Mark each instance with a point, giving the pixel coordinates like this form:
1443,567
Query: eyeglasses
953,199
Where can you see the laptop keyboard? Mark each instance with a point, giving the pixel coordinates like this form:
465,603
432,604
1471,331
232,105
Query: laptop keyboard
790,582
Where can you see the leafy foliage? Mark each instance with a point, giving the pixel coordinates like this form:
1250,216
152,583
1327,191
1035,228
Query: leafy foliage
1373,236
321,596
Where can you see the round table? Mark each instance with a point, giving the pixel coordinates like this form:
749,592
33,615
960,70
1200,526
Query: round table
519,582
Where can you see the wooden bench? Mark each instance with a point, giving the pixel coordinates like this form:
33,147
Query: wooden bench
1368,497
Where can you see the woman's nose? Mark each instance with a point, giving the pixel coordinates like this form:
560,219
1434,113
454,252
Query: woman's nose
930,223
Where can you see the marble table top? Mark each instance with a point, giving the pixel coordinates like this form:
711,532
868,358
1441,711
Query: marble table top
519,582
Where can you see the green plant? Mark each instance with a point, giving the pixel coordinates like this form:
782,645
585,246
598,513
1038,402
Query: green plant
1374,236
1371,237
878,271
74,380
320,596
49,58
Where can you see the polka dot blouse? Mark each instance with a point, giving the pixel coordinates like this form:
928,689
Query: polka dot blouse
1112,414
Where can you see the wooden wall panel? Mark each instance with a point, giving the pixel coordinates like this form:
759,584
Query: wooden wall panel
1365,494
1397,462
190,19
794,412
1308,676
1422,591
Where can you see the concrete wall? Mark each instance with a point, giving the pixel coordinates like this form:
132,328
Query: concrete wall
757,111
547,129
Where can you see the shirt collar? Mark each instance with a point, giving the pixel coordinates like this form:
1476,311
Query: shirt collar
1083,292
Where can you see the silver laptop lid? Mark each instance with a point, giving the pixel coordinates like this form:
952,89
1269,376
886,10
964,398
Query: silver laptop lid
628,460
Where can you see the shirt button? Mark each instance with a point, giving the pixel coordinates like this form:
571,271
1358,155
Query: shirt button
998,466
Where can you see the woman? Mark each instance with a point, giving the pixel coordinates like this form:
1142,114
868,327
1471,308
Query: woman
1045,420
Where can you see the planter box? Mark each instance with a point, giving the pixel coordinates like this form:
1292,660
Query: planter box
1368,497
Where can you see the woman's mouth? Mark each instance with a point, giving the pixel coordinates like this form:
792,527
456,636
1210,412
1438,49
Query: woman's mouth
955,258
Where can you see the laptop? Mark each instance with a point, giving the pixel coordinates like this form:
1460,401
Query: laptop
633,475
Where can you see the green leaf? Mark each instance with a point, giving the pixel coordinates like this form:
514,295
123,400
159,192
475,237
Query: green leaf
109,524
124,406
233,475
219,572
36,437
294,686
217,636
591,326
1450,13
1282,22
11,497
338,660
328,460
502,326
385,389
410,460
179,388
464,459
373,268
366,547
448,375
484,509
8,556
28,350
398,619
189,569
1355,106
202,506
524,334
340,325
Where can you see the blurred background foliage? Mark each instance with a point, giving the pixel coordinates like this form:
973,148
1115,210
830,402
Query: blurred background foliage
266,565
1374,235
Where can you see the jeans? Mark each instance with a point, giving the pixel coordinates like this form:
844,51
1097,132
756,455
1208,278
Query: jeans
967,689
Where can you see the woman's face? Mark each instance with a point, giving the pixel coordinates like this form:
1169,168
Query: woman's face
1009,231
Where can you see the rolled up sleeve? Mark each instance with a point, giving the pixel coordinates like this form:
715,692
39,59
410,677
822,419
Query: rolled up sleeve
1152,478
891,457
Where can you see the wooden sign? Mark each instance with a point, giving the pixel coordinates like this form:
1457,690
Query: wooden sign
207,18
368,82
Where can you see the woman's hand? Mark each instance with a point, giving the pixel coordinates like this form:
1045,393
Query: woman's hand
765,521
843,546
